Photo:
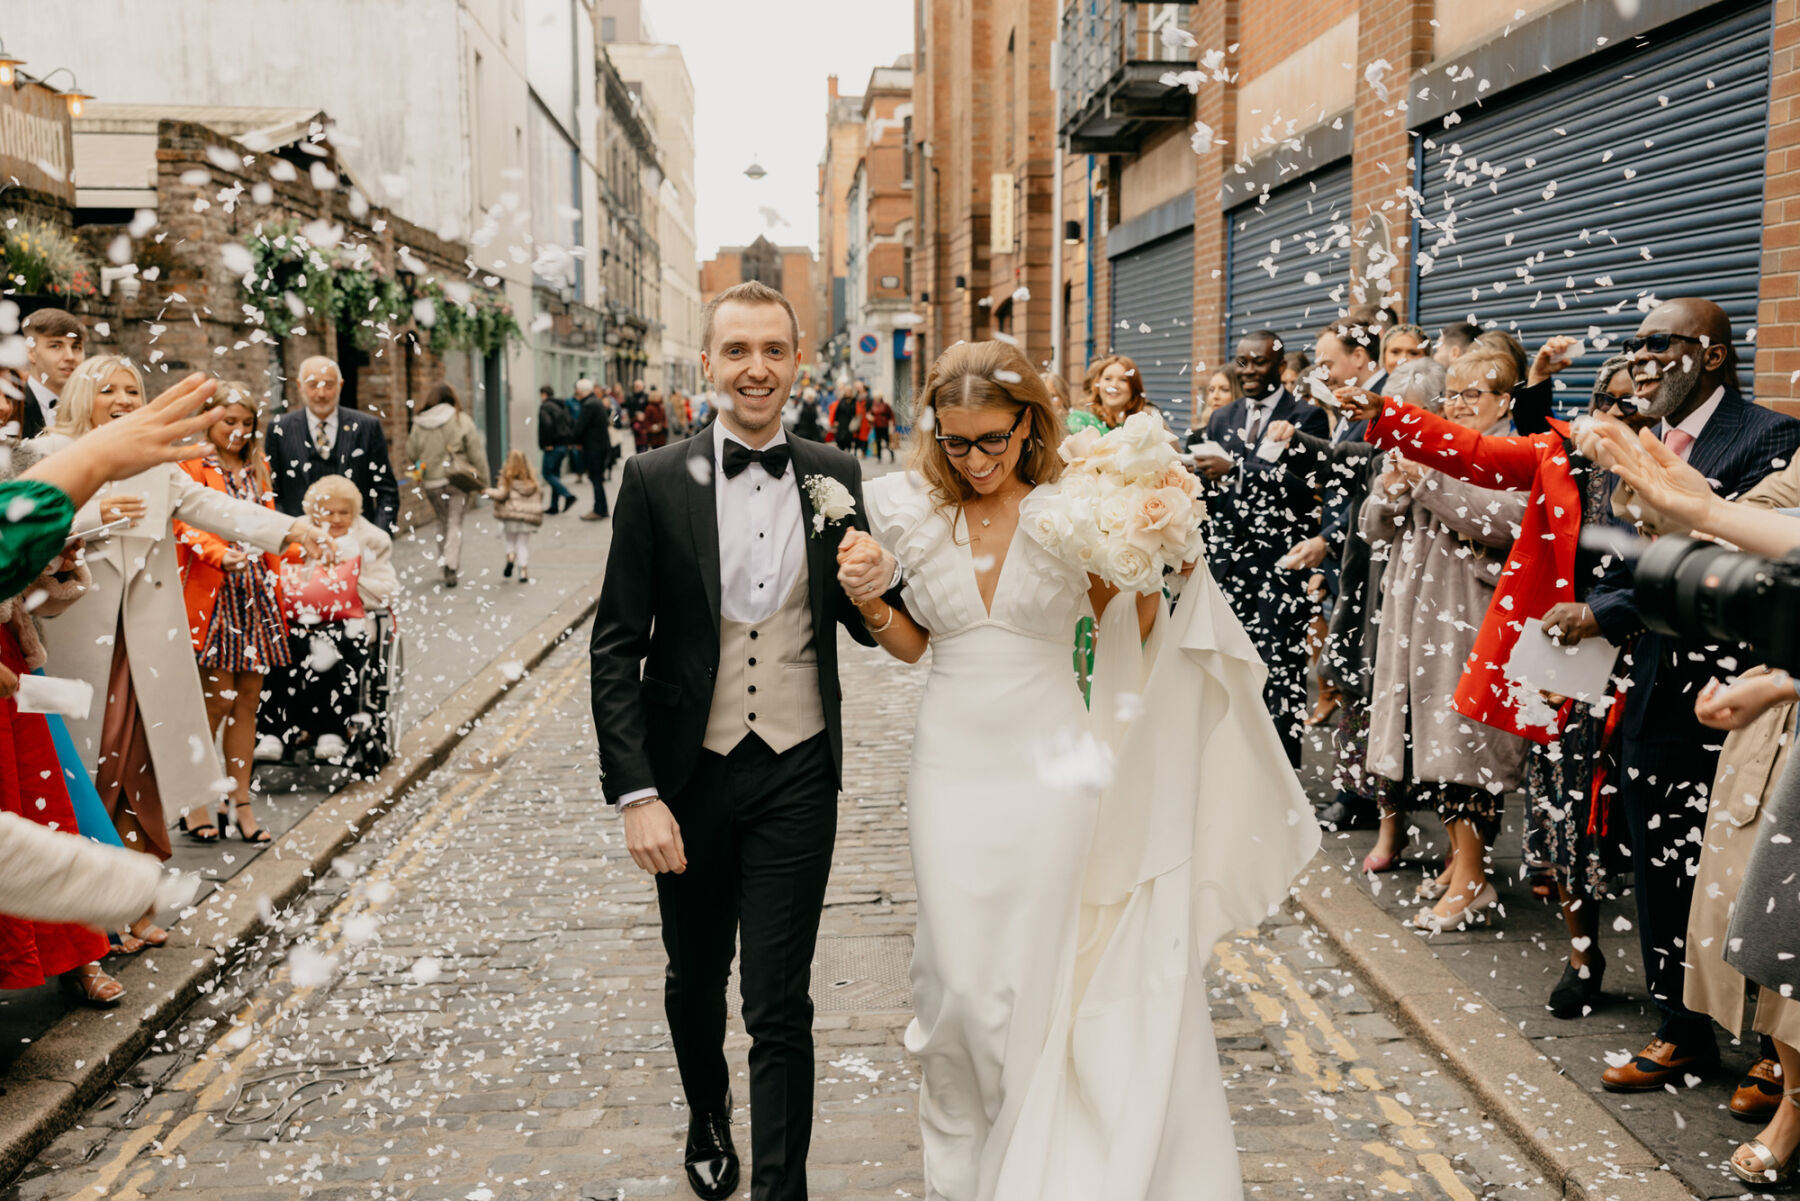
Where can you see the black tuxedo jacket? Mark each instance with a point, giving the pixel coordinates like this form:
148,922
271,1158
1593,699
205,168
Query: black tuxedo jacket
1741,443
1258,513
359,454
30,412
655,649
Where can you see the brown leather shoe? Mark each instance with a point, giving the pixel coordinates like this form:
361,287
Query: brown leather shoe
1660,1063
1758,1094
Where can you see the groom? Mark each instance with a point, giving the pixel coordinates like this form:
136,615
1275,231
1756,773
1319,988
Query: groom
716,698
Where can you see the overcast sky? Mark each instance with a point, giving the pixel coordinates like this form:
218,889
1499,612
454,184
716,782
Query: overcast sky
759,93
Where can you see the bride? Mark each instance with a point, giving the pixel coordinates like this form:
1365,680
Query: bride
1073,871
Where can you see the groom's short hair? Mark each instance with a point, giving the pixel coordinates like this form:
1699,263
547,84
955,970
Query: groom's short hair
749,292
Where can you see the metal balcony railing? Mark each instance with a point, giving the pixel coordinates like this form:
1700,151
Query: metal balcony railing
1114,58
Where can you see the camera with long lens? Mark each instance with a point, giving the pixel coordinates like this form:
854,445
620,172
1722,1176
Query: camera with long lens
1687,587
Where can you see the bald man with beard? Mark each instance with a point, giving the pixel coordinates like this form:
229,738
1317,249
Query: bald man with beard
1684,373
323,438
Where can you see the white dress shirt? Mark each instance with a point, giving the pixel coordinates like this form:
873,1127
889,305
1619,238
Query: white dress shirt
329,426
1695,423
762,533
1258,412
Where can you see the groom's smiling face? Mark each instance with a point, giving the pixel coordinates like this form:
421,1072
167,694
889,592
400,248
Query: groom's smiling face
752,362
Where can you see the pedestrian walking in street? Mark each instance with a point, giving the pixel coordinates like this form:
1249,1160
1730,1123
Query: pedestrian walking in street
555,435
450,463
593,435
519,504
716,702
806,421
844,418
881,428
234,612
656,421
572,461
324,438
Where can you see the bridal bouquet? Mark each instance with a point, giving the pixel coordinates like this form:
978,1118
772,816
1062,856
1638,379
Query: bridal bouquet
1126,510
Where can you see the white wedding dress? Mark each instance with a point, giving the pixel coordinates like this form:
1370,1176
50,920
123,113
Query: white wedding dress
1061,1019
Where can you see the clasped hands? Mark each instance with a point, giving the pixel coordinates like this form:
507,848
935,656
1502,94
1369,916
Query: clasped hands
865,567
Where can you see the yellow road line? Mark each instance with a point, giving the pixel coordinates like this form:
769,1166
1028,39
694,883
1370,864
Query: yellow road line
406,856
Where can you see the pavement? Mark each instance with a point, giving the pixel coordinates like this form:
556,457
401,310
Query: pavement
463,1000
470,1008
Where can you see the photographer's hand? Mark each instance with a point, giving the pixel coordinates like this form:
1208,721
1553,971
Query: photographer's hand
1735,705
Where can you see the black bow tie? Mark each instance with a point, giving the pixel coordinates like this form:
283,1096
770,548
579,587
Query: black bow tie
774,460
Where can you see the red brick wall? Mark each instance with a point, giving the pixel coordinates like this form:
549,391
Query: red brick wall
1778,307
1270,30
1216,24
1399,31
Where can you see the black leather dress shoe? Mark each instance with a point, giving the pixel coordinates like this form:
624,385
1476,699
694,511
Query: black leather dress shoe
712,1162
1349,812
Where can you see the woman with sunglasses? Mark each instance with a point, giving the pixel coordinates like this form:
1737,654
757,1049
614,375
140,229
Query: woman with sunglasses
1022,838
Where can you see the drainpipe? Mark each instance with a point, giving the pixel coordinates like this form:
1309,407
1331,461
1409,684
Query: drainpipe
1090,258
1056,218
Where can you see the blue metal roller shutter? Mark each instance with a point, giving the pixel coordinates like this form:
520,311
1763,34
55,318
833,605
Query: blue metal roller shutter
1153,318
1289,258
1634,178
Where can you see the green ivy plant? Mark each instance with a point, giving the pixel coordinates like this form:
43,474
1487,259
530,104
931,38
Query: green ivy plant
290,279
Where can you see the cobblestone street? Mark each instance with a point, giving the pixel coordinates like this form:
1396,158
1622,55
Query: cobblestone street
470,1010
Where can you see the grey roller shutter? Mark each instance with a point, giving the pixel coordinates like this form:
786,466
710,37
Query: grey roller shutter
1579,202
1288,258
1153,318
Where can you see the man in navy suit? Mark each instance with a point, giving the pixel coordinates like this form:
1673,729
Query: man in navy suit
1685,375
322,439
1257,511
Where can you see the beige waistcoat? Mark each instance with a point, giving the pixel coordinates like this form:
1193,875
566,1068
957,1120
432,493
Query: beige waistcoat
768,681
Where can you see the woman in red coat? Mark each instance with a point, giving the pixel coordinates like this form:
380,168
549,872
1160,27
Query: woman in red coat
234,612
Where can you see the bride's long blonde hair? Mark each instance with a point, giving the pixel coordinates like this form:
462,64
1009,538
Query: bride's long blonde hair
986,375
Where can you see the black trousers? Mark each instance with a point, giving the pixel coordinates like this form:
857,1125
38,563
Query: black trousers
596,473
1275,614
1663,788
758,829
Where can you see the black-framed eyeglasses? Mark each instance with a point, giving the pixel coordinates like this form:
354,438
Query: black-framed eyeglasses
1468,396
1654,343
992,445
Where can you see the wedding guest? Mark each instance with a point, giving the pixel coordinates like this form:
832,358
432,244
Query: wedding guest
1447,542
324,438
234,614
1453,340
1348,658
55,344
311,702
119,636
1685,371
555,432
593,435
806,420
1402,344
447,448
519,504
1256,512
1222,388
1295,365
1118,393
31,788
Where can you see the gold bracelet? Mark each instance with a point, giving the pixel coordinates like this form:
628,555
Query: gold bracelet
882,628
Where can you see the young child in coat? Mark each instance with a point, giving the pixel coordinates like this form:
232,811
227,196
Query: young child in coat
519,504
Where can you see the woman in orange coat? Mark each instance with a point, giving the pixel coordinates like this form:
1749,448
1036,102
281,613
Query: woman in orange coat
234,612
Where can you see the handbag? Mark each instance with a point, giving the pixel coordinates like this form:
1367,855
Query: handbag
313,593
459,470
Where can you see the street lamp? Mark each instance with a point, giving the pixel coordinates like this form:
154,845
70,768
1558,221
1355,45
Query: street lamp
8,65
755,170
72,95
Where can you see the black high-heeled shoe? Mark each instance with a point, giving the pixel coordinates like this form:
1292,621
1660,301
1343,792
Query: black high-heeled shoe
204,832
1573,995
262,837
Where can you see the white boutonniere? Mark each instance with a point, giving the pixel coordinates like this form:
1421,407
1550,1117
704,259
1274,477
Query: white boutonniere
831,502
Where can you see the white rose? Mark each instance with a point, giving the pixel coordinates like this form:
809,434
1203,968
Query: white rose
831,500
1077,446
1050,527
1144,452
1113,511
1132,569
